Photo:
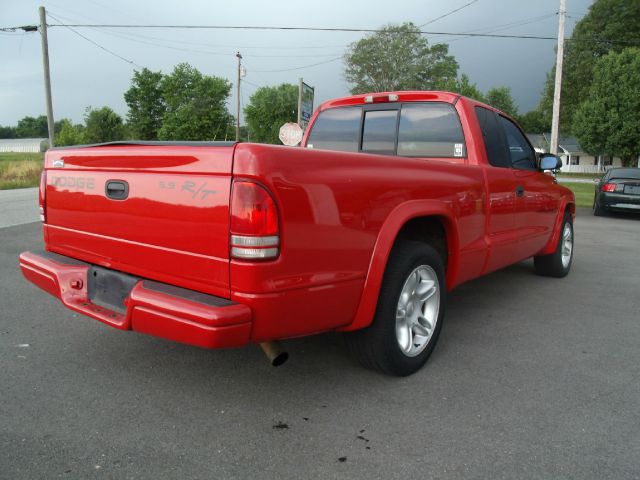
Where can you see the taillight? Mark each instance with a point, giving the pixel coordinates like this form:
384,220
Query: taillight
254,223
381,98
612,187
42,196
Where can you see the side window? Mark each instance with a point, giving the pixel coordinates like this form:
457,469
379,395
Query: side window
336,129
430,130
492,136
522,155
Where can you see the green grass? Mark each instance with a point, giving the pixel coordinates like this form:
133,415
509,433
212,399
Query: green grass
583,191
579,175
20,170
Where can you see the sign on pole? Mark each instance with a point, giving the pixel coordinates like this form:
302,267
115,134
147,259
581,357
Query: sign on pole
290,134
305,104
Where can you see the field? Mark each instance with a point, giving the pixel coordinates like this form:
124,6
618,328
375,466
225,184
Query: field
583,192
20,170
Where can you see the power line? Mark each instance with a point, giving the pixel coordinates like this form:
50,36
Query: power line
449,13
297,68
127,37
251,83
508,26
243,47
131,62
316,29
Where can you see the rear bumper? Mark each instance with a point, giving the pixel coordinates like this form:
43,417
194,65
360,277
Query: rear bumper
153,308
619,201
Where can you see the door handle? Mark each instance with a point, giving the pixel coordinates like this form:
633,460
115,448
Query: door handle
116,189
520,191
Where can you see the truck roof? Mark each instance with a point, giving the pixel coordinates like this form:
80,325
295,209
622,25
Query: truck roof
392,97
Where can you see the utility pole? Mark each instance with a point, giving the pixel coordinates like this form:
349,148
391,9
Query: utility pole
300,102
555,120
238,99
47,76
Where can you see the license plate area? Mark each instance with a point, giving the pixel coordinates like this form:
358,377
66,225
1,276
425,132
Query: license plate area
109,289
632,189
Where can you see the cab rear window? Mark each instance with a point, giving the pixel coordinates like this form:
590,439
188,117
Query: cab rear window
337,129
429,129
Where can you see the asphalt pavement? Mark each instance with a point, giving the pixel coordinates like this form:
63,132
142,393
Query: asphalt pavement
18,206
533,378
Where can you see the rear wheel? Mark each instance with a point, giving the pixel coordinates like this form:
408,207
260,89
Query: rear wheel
409,313
559,262
598,211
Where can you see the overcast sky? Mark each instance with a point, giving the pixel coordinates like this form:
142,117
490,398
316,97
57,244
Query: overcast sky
84,75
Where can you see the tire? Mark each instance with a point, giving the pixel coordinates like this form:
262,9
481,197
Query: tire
413,285
598,211
559,262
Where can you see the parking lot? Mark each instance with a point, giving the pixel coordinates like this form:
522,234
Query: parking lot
533,378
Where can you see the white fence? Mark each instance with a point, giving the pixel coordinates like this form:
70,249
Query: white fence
23,145
595,169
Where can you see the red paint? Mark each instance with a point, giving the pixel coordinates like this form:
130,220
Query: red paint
337,216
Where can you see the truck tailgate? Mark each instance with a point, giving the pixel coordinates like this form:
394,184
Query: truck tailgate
156,211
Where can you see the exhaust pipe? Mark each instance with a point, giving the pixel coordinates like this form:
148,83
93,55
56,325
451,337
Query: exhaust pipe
274,352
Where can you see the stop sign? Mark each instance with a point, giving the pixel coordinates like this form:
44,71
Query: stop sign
290,134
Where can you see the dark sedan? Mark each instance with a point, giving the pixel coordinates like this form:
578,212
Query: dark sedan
618,190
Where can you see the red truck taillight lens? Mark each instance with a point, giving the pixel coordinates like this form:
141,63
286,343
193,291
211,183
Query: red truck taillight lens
254,223
42,196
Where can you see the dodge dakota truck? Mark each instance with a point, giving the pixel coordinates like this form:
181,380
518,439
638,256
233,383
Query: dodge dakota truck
391,201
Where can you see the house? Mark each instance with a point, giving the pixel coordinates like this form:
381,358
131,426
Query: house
31,145
574,158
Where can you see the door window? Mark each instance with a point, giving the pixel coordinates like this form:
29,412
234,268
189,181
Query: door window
493,139
521,153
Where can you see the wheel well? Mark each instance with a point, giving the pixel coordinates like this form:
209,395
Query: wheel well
429,230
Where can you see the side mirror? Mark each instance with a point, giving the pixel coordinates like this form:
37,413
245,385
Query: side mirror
549,161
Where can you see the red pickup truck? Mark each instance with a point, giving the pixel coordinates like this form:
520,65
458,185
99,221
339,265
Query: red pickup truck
392,201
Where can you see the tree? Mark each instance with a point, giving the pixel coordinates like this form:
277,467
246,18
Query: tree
463,86
70,134
7,132
102,125
610,26
535,121
500,98
397,58
608,121
195,105
32,127
57,126
269,108
146,104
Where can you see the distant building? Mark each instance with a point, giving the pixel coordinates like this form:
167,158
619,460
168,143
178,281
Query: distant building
574,158
30,145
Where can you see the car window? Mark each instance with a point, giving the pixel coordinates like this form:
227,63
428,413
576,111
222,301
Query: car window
625,173
379,131
336,129
430,130
493,140
521,153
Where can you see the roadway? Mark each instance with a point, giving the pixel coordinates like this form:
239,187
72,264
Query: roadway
533,378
